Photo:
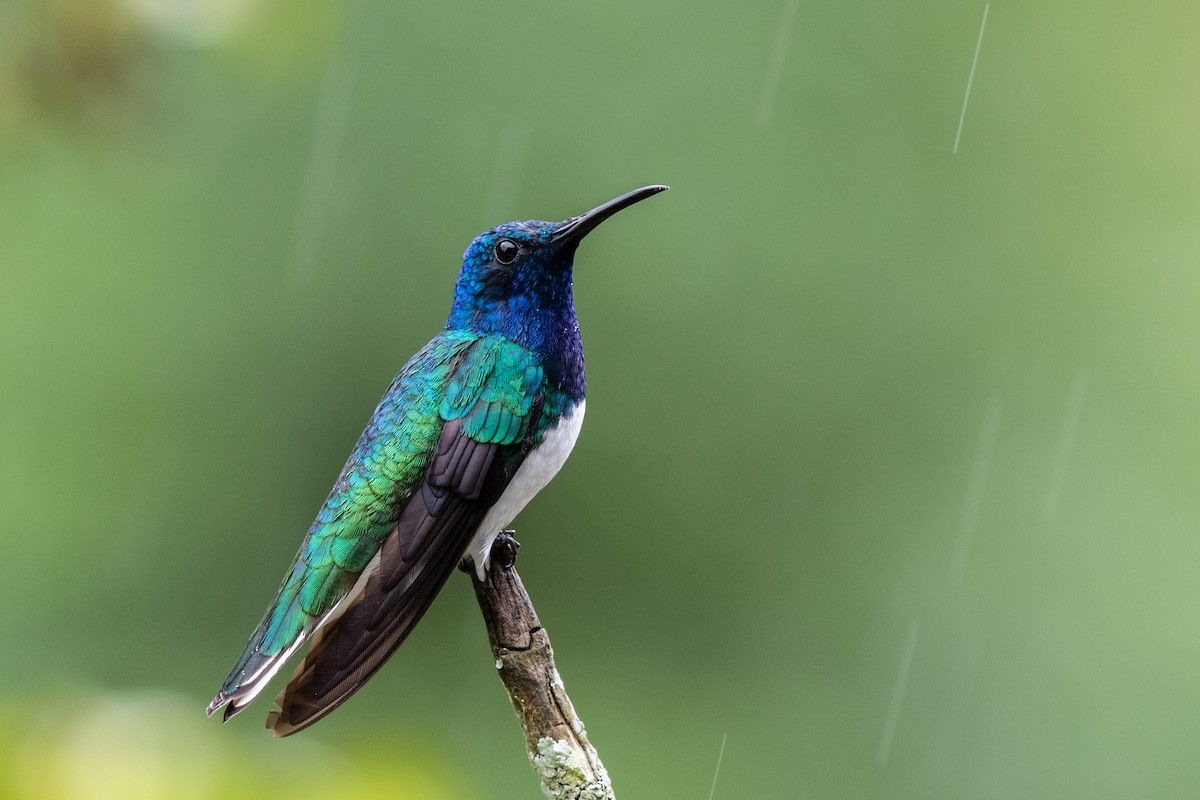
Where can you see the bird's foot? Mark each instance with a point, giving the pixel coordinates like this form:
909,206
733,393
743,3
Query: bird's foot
504,549
504,552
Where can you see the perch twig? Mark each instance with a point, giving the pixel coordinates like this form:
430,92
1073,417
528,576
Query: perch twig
555,738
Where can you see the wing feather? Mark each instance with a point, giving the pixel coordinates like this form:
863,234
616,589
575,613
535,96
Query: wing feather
415,562
492,400
386,467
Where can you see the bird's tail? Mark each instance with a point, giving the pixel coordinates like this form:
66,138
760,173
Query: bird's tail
284,628
381,611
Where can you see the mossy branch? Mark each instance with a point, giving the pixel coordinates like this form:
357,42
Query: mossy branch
555,738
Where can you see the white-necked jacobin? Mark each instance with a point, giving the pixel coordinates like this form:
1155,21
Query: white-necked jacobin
475,424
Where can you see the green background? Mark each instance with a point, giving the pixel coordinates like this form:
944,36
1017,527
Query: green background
889,475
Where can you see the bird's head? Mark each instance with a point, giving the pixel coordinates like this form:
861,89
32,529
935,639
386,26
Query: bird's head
516,277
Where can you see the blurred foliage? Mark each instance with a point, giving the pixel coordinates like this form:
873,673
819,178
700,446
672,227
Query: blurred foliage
152,745
890,465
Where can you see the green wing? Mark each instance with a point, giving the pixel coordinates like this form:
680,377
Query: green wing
493,391
438,451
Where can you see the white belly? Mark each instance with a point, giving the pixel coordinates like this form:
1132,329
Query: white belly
542,464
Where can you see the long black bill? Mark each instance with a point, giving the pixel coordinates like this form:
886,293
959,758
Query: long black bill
576,228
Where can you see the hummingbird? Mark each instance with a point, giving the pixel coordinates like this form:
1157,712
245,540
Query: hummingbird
475,425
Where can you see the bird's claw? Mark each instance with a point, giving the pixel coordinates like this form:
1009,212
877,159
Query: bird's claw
504,549
504,552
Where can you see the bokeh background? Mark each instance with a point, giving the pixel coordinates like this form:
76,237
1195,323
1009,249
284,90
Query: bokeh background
888,486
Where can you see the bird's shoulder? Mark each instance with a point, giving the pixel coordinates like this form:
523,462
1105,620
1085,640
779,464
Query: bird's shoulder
488,382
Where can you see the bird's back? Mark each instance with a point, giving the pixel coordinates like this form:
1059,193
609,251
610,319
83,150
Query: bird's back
376,483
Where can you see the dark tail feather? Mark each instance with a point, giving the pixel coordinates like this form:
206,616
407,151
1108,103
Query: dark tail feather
347,652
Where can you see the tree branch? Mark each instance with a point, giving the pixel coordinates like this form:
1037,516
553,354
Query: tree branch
555,739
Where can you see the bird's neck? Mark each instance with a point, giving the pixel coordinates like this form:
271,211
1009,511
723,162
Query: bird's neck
561,350
549,330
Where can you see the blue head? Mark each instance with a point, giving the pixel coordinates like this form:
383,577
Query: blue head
516,279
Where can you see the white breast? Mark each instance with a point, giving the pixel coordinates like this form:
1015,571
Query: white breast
542,464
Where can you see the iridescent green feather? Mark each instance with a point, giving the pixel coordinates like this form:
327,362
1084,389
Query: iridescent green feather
487,381
382,472
493,390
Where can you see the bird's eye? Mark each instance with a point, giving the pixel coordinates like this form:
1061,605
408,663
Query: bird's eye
506,251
